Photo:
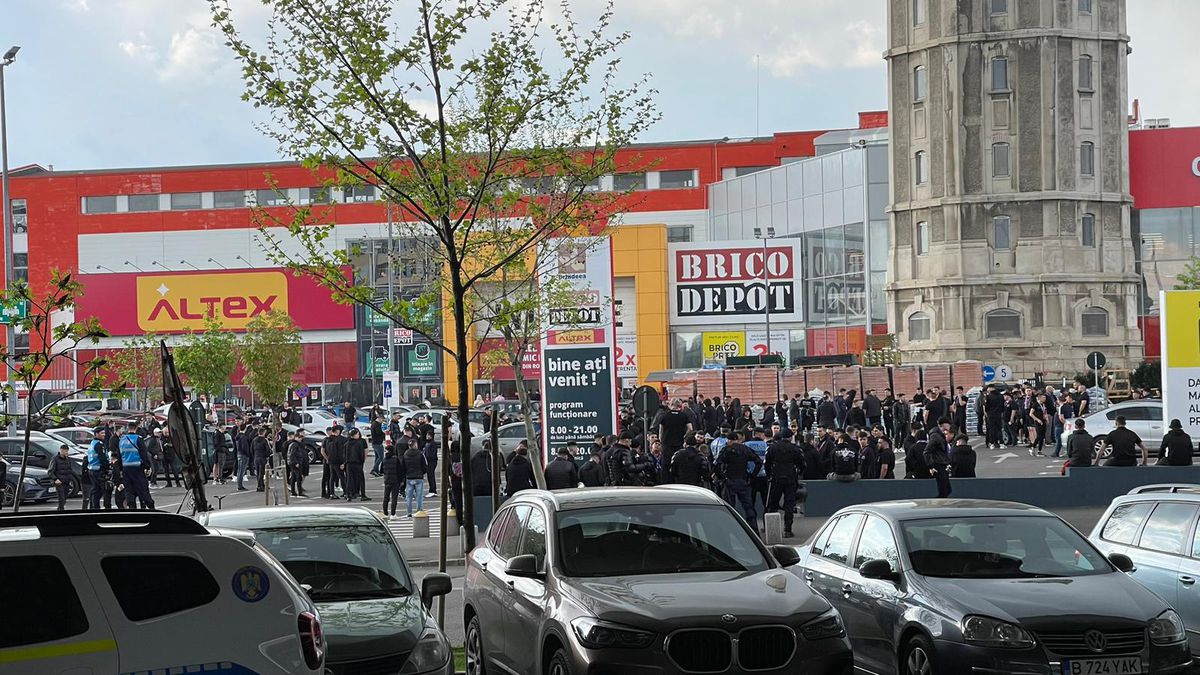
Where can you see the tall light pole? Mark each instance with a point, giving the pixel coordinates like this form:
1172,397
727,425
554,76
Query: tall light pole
766,237
10,335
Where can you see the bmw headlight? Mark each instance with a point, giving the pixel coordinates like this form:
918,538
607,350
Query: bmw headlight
828,625
1167,629
981,630
31,481
595,633
431,653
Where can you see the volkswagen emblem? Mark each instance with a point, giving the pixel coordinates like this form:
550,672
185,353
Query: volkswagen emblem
1095,641
728,618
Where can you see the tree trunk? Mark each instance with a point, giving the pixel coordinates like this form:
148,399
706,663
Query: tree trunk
464,408
539,476
25,455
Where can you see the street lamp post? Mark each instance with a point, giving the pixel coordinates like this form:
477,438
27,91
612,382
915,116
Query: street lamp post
766,237
10,337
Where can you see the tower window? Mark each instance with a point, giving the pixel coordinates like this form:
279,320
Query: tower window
1002,323
1000,74
1095,322
1085,72
1087,230
919,326
920,84
999,6
922,238
918,12
922,168
1002,233
1000,160
1085,6
1087,158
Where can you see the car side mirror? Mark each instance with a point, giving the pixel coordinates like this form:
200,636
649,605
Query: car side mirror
434,584
1122,562
877,569
523,566
785,555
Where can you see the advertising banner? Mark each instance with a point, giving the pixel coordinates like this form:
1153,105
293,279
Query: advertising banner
579,388
177,302
713,283
756,343
1180,336
531,360
720,345
420,360
626,356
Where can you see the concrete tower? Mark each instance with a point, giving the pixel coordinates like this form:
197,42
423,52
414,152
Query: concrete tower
1010,204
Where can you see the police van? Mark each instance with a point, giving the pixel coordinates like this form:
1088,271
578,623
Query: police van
143,591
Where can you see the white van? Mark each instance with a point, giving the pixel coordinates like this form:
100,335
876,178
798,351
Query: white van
143,591
87,406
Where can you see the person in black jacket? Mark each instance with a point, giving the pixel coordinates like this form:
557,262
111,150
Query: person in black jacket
356,459
686,466
591,474
430,449
827,412
519,474
937,456
262,452
377,439
561,474
872,408
220,448
855,417
914,454
814,466
481,470
785,465
297,460
390,470
1176,449
334,453
414,477
732,465
64,471
963,459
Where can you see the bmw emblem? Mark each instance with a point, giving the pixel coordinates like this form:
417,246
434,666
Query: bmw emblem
729,618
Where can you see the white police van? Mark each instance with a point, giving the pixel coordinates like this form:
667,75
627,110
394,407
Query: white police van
147,592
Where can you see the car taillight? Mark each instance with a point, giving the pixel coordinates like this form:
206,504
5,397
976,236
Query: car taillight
312,642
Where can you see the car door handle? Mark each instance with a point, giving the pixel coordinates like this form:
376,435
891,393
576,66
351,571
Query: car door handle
847,589
808,577
1186,580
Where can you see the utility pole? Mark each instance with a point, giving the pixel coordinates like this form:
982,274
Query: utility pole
10,335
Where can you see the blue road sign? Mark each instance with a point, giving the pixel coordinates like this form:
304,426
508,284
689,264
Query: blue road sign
989,373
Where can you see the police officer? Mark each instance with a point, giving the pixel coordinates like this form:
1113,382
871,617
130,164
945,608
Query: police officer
937,456
131,469
98,470
561,474
785,465
734,465
686,466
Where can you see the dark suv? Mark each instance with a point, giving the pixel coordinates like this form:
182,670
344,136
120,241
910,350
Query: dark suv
629,581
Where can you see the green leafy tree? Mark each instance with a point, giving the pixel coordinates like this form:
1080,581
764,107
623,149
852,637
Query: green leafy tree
207,358
458,114
1189,278
271,354
50,341
1148,375
137,366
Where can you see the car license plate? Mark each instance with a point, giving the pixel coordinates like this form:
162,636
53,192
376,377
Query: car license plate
1125,665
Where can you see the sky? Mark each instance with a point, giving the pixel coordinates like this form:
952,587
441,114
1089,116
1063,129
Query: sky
128,83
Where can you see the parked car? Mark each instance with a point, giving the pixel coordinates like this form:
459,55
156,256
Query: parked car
1143,417
1155,526
89,406
640,580
961,586
42,449
79,436
374,618
312,442
436,415
39,486
510,436
149,592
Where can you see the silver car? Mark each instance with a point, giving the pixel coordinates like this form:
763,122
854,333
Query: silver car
1143,417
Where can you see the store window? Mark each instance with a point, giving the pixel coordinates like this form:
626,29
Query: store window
1095,322
920,84
918,12
677,233
184,201
686,350
317,195
229,199
106,204
1002,233
271,197
1085,72
1000,160
1000,74
1002,324
142,203
1087,158
1167,234
623,182
672,180
922,168
20,216
1087,230
358,193
922,238
919,326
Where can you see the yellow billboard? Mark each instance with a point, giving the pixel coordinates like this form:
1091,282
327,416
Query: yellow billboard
720,345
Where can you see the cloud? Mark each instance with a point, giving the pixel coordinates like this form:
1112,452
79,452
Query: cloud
139,50
77,5
193,53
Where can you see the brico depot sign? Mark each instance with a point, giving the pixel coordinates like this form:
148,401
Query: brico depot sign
723,282
134,304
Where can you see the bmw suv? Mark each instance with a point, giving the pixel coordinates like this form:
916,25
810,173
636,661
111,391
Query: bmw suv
632,581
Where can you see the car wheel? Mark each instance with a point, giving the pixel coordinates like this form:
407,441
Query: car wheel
73,488
474,648
8,494
1096,448
918,657
559,665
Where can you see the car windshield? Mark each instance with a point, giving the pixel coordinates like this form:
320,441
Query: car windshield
340,562
1000,548
87,405
655,539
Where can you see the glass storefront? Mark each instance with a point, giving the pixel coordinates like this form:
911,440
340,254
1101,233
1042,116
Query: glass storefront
1167,240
